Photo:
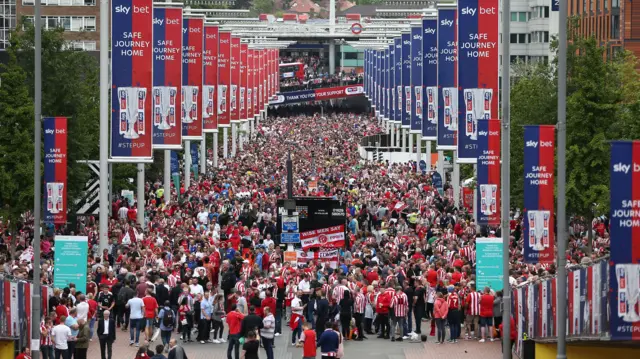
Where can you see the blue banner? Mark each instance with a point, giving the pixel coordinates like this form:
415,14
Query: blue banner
555,5
175,164
391,81
489,267
625,243
397,74
416,80
195,155
385,81
430,79
406,81
376,80
366,73
71,261
436,180
447,79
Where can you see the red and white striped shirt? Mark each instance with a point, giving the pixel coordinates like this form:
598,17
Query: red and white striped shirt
45,340
473,303
327,290
400,304
441,274
338,293
360,303
240,288
333,278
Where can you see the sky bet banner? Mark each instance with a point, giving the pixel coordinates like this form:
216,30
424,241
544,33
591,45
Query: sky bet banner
317,94
397,81
416,80
386,103
391,79
430,79
538,193
250,83
243,82
488,205
625,244
167,78
376,83
224,78
192,45
477,71
367,73
447,78
406,81
55,169
132,58
234,103
210,79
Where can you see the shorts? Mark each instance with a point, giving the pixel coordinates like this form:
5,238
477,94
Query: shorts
486,321
148,322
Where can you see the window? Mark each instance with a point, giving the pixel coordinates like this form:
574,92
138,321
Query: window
81,45
69,23
522,38
615,4
522,17
615,26
606,4
350,55
518,58
513,39
62,2
546,12
514,16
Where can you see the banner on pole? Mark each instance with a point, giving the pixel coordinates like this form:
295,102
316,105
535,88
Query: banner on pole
224,78
625,244
430,79
195,158
70,261
210,80
243,82
447,78
131,80
416,80
406,81
477,71
488,183
489,264
175,173
167,78
539,198
386,63
55,169
192,46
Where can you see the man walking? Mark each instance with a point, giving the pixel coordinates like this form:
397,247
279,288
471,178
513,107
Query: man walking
106,334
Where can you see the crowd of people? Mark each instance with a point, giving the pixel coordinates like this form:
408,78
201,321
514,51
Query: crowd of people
316,75
208,266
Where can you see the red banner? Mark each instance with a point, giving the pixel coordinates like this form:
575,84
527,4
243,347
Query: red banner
327,256
467,198
243,81
193,43
55,169
224,78
332,237
261,81
250,82
210,79
234,112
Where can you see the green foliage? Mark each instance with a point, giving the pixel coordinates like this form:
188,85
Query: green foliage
603,104
263,6
69,88
369,2
16,141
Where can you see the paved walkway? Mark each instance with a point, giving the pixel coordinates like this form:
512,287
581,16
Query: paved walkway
369,349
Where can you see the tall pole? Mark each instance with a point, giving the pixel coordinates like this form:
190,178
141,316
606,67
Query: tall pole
506,186
289,176
140,194
167,176
187,165
203,154
37,178
215,151
110,193
104,125
234,137
455,178
562,174
225,142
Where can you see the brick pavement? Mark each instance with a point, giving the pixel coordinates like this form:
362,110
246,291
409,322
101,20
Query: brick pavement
370,349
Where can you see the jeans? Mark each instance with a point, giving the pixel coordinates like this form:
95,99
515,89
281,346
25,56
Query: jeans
72,349
454,324
203,330
345,323
358,317
47,352
408,323
106,345
166,337
441,330
81,353
135,324
92,324
268,347
397,322
234,346
418,312
383,322
62,353
278,315
296,332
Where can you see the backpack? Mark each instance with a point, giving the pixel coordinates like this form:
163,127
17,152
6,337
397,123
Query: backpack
167,319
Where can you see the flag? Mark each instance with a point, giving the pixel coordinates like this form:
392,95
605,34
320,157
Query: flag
55,169
447,78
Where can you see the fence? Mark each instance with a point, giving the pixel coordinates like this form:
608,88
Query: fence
534,306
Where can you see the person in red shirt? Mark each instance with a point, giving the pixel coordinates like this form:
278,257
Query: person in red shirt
455,276
513,332
61,310
150,313
373,275
307,341
24,354
432,276
93,308
486,314
383,303
234,322
453,316
110,280
269,302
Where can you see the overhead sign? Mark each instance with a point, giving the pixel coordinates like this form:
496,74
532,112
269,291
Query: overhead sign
289,238
290,224
356,28
317,94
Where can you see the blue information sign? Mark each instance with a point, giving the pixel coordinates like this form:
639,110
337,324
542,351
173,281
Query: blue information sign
290,238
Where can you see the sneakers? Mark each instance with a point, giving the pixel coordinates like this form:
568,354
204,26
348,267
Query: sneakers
222,340
481,341
492,339
202,342
215,341
137,345
277,334
131,343
406,337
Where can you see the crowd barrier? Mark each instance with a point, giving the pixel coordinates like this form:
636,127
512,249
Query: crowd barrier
534,306
16,301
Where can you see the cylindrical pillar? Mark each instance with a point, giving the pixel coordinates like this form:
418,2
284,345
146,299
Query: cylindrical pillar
203,154
187,165
428,160
332,57
167,176
234,137
241,136
440,166
225,142
410,142
418,152
455,178
140,195
215,151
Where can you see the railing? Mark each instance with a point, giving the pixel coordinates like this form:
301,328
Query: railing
534,306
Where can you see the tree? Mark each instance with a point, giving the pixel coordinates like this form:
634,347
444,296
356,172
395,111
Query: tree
16,142
70,87
263,6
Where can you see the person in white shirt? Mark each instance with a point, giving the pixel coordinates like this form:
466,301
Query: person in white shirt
268,242
296,309
195,288
203,216
61,334
82,308
136,318
122,212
